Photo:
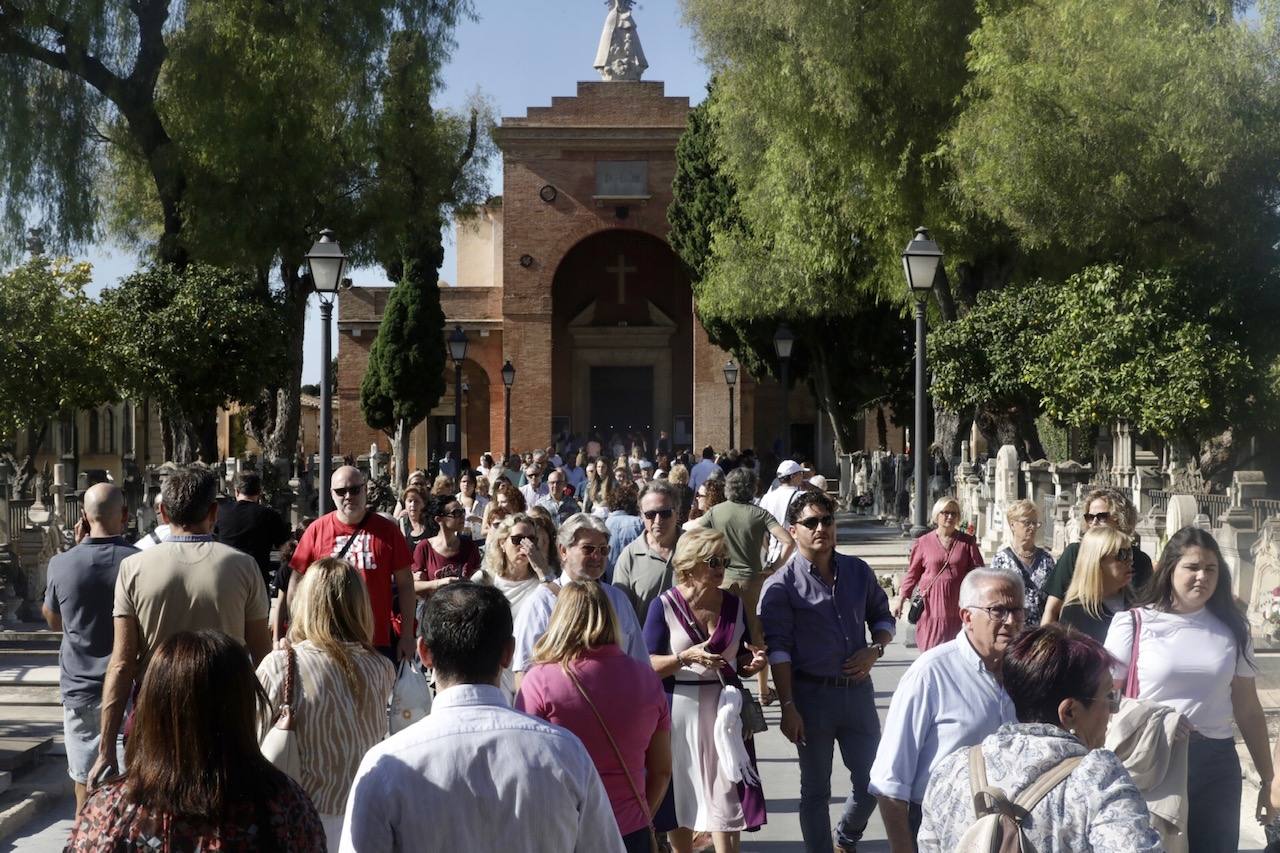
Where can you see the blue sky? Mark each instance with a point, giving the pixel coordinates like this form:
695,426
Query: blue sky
519,53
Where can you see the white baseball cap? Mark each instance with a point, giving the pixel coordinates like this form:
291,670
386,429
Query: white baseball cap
789,467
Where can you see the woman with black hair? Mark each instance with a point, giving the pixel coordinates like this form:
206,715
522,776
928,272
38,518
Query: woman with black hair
1192,653
196,779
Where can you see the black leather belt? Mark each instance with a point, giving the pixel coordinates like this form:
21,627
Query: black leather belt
830,681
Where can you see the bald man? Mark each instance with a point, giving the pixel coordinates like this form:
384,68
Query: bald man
375,546
77,601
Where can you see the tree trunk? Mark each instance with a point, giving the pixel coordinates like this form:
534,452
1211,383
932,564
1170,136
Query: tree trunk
843,421
882,429
400,453
273,420
1013,425
25,469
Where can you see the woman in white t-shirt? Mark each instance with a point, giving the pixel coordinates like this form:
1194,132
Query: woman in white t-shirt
1195,656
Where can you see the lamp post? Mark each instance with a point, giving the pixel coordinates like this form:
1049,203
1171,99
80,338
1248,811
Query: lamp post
920,262
458,350
731,379
783,341
327,264
508,379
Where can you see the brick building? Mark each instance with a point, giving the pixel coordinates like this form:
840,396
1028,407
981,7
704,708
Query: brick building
568,274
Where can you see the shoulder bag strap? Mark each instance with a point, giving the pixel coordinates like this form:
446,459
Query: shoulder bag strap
1131,679
946,567
1036,791
978,780
635,791
284,717
352,538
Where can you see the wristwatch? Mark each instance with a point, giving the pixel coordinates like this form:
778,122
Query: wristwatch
879,647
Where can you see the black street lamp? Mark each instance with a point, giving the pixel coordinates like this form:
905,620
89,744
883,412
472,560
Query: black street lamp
731,379
920,262
458,351
508,379
783,341
327,264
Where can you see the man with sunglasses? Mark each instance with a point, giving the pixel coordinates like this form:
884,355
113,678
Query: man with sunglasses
643,570
559,498
817,611
948,699
374,546
1106,507
584,545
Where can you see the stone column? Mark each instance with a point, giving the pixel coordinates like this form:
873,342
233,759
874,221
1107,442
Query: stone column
1005,492
1123,464
1238,532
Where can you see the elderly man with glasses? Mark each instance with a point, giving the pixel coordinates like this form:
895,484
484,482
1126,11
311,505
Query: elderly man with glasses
644,571
377,549
949,698
559,498
817,612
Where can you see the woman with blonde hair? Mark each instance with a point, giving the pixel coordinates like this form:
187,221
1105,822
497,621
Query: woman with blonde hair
341,685
1100,584
506,502
696,633
546,526
582,680
1024,556
678,476
598,488
939,561
444,485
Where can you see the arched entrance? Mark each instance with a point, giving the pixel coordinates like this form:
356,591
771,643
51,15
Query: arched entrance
622,338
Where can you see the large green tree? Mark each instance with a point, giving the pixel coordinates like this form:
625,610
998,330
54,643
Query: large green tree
430,164
53,345
228,132
191,339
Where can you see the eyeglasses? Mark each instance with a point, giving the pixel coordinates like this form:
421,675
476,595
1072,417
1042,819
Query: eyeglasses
342,491
1030,525
718,562
651,514
949,513
453,513
813,521
1113,700
588,550
1000,613
1097,517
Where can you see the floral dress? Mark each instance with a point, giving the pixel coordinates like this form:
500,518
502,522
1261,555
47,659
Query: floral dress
1034,578
286,822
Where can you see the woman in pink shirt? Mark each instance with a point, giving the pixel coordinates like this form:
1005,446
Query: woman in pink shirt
939,561
583,681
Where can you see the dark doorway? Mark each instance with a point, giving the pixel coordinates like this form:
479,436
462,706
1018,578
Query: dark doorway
622,402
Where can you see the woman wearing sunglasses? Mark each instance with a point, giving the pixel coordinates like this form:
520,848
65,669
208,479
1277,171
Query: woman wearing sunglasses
1100,586
1193,654
1060,685
939,561
697,638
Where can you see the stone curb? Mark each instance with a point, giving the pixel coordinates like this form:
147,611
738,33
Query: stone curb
38,791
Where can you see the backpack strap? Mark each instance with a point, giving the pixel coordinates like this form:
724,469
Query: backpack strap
988,800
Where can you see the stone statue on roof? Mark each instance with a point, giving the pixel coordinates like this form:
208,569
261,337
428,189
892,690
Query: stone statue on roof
620,56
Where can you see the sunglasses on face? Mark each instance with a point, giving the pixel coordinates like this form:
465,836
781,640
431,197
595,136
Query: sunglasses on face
1097,517
343,491
658,513
1124,555
813,521
1030,525
589,550
519,539
718,562
453,513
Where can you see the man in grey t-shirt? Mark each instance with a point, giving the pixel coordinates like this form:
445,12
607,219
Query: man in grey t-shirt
77,601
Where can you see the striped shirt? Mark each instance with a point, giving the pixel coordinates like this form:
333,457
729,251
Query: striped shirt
334,730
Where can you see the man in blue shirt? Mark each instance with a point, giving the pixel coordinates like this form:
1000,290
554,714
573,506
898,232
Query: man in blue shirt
816,612
77,602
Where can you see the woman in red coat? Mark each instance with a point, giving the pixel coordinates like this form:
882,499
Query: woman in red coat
939,561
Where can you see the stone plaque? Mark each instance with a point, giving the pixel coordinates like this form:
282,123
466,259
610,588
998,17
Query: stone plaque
619,178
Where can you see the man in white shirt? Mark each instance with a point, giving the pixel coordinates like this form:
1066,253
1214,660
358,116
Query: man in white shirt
791,476
161,531
584,545
948,699
476,775
705,469
533,489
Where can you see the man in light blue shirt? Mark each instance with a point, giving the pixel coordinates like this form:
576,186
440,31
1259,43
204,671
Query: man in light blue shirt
584,542
476,775
948,699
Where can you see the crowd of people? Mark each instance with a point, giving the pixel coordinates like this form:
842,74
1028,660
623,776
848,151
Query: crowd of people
589,627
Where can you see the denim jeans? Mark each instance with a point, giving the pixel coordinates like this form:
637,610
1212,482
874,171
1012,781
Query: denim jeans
1213,791
835,715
